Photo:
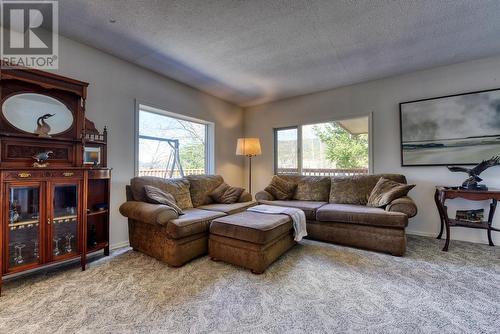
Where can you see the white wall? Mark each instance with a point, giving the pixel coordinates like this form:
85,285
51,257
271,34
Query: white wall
382,97
114,86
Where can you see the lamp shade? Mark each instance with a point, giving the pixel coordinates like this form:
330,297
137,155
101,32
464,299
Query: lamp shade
248,147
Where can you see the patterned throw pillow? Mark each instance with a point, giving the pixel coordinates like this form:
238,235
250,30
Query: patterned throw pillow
157,196
280,188
386,191
179,188
225,194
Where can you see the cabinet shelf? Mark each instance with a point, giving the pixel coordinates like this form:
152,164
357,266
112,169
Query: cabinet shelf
96,213
65,219
24,224
97,247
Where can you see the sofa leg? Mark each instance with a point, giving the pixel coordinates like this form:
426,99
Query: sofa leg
255,272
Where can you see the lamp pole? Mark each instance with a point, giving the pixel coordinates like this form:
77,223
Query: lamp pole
250,174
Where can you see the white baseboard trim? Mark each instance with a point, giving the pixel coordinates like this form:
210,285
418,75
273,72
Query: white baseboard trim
119,245
422,234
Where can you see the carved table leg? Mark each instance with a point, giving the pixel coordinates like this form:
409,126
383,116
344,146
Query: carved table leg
444,214
493,206
436,199
447,243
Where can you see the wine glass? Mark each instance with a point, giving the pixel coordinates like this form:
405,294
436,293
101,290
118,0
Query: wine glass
19,258
68,237
13,250
36,252
56,246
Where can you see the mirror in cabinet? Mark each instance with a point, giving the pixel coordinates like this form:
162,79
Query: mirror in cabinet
24,231
38,114
65,220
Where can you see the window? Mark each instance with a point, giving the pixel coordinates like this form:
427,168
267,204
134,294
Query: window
171,145
332,148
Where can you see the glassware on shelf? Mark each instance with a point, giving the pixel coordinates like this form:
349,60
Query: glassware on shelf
56,251
68,248
19,256
36,251
92,240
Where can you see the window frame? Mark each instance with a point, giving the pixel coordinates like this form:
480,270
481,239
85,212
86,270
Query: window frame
299,140
209,133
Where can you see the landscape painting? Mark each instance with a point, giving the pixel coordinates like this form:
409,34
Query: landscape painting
453,130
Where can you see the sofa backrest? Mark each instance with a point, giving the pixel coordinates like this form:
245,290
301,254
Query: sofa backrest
179,188
356,189
310,188
201,186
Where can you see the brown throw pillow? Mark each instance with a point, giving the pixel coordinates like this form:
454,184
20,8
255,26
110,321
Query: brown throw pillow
386,191
280,188
225,194
157,196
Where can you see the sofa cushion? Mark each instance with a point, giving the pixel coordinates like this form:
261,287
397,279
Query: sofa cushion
158,196
228,208
202,186
225,194
253,227
280,188
360,214
179,188
309,207
147,212
386,191
356,189
312,188
193,221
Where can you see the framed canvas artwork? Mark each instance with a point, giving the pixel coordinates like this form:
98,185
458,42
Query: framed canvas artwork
459,129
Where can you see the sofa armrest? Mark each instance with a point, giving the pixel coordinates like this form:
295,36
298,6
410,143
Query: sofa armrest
245,197
404,205
148,213
263,196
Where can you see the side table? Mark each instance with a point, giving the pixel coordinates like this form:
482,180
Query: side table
444,193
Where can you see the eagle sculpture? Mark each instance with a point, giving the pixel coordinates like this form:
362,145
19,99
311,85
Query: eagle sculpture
473,180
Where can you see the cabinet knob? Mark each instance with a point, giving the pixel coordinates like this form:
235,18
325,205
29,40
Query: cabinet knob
48,221
24,175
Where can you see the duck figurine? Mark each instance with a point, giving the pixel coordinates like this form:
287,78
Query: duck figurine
43,128
41,159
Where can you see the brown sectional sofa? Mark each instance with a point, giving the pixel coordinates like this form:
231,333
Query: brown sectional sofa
336,211
158,231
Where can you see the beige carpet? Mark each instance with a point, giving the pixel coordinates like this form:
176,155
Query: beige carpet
314,288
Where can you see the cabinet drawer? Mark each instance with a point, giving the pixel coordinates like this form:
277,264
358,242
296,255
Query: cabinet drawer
25,175
42,174
99,174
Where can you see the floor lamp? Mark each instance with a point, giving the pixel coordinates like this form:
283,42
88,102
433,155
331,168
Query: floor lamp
249,147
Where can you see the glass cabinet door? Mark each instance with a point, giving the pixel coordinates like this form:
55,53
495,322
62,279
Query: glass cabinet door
23,225
65,224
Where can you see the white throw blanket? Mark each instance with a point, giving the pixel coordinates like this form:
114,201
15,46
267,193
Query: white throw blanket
298,217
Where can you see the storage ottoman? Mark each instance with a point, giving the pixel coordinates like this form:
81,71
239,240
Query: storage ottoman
250,239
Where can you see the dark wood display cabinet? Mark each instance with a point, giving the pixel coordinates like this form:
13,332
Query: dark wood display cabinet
54,179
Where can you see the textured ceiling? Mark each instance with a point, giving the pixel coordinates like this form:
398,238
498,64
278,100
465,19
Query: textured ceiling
251,52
